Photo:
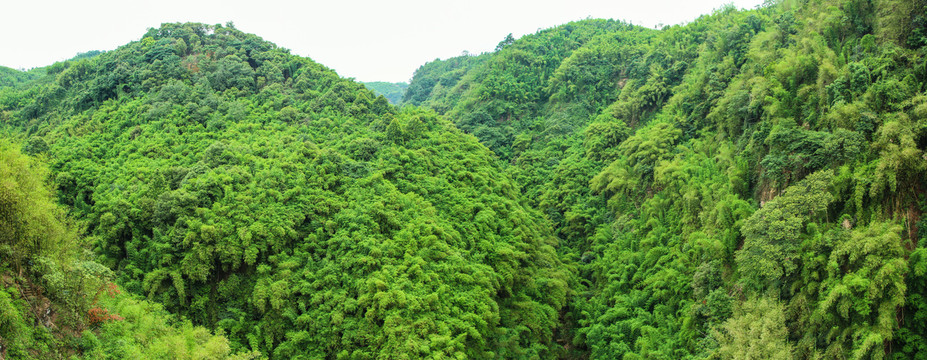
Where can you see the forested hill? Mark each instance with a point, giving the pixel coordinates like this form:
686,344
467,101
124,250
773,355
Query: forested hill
11,77
748,185
259,194
391,91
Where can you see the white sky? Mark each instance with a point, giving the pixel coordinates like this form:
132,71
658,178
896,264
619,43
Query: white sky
366,40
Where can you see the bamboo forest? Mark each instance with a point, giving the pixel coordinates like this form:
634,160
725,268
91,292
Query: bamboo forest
747,185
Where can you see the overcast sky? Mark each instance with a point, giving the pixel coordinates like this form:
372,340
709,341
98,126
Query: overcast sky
366,40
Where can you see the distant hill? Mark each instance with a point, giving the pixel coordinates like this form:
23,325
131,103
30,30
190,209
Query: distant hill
392,91
12,77
87,55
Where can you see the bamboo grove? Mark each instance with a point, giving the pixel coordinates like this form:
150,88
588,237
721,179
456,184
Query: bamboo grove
747,185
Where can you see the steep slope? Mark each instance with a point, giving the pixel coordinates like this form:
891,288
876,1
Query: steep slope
435,80
256,192
56,303
743,185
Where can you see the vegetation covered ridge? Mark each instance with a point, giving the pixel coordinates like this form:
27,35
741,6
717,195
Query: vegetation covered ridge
747,185
391,91
259,194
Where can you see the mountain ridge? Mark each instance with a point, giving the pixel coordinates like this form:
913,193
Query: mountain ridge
744,185
259,194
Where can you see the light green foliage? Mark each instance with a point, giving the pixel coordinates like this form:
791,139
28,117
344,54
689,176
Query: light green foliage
900,159
912,332
864,287
756,331
391,91
147,331
634,171
666,259
602,139
434,83
29,229
11,77
773,234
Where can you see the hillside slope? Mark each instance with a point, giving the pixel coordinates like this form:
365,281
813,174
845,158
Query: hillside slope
745,185
748,185
258,193
56,303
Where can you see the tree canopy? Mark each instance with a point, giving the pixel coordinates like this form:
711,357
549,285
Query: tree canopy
259,194
746,185
750,167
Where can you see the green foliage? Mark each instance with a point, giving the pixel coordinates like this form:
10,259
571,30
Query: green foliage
688,169
258,194
15,331
13,78
391,91
773,234
746,185
29,228
910,336
433,82
756,331
602,139
863,288
147,331
640,155
48,293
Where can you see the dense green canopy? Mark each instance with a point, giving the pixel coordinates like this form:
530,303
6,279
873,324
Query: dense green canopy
748,185
258,193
